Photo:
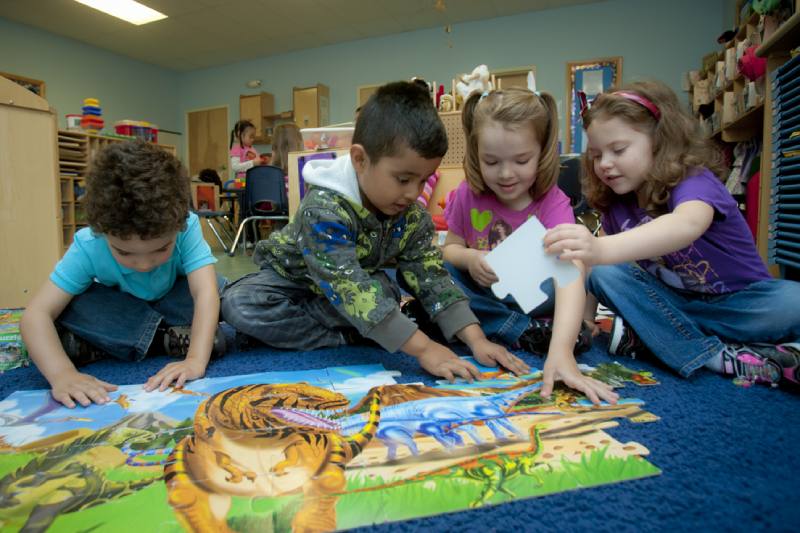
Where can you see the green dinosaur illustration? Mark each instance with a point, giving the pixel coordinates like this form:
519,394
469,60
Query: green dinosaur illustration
57,482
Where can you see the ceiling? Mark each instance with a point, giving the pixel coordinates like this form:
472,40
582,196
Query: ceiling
205,33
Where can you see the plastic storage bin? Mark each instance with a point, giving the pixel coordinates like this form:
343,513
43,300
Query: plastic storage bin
332,138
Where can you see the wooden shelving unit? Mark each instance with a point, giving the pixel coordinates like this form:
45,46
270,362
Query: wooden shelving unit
75,151
776,49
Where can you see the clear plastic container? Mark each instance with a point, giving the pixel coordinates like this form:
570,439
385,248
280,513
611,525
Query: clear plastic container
331,138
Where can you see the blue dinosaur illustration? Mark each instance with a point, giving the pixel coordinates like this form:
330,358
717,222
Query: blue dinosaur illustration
441,418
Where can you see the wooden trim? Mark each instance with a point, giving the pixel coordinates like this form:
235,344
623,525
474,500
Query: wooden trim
568,109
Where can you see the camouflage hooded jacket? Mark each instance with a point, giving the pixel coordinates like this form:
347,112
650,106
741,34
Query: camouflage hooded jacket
333,244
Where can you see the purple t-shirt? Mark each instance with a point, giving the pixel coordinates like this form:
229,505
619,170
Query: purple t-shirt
483,222
723,259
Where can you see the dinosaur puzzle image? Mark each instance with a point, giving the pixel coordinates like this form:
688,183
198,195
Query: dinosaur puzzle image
316,450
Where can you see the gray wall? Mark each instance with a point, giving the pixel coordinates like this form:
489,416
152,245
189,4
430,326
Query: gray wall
656,39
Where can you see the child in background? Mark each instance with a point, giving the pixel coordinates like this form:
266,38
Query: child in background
322,281
698,288
139,280
285,139
511,166
243,154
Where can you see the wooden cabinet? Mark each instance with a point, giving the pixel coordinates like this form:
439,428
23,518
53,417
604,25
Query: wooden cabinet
311,106
258,109
30,215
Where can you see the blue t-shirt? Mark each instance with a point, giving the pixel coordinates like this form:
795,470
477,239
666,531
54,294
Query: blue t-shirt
89,260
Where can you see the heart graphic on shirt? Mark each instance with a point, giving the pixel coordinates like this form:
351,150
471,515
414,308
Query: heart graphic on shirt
480,219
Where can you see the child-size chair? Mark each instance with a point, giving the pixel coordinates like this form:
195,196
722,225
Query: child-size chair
264,199
204,204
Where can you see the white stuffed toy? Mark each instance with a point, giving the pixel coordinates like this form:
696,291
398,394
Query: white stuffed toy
477,80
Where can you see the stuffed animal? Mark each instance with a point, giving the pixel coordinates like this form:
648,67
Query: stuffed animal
477,80
446,103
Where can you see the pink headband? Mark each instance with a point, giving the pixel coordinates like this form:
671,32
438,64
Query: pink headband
641,100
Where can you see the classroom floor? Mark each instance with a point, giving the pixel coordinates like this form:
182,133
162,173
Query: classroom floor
234,267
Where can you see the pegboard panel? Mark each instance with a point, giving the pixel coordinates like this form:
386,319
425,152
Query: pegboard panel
457,143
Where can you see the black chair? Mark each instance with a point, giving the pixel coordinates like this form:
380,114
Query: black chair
221,218
569,181
264,199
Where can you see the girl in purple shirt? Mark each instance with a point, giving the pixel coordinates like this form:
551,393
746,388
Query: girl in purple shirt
511,168
677,263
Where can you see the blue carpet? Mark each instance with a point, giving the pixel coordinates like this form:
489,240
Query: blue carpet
729,455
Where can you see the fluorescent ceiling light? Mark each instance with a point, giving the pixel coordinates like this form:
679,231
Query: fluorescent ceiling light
127,10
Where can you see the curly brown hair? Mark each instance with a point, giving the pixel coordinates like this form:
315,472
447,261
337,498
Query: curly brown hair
136,189
679,145
513,108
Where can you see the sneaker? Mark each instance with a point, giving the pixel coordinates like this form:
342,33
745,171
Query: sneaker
412,308
78,350
176,341
536,338
762,363
624,340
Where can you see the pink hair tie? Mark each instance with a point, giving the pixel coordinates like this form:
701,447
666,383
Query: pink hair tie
641,100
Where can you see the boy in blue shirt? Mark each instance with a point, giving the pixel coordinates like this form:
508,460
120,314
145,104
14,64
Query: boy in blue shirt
140,279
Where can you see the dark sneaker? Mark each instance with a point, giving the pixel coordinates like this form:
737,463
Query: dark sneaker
413,309
762,363
536,338
78,350
624,340
176,341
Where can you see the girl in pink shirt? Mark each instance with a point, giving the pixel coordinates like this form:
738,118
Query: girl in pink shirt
511,167
243,154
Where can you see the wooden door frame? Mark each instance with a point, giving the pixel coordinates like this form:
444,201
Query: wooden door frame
188,143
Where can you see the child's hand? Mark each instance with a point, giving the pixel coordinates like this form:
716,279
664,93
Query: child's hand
179,372
441,361
564,367
74,386
480,270
489,353
573,241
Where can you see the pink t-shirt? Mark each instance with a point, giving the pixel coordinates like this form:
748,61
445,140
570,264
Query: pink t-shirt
483,222
245,154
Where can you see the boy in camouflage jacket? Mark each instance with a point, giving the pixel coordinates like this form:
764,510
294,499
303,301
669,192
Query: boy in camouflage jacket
322,277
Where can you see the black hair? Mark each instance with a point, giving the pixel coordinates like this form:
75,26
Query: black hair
400,113
238,130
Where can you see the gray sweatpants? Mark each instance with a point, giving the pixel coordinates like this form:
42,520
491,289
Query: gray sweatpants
284,314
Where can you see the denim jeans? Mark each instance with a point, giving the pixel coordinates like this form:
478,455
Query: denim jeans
123,325
501,320
685,330
285,314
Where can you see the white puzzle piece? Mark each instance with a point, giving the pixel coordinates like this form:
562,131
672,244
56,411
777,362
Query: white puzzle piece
522,266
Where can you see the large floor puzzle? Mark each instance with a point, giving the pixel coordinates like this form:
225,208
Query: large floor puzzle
305,451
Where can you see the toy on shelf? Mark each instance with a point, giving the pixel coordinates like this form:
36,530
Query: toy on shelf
137,128
477,80
92,120
427,190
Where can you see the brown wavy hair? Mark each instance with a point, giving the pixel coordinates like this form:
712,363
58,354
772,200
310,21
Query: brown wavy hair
513,108
286,138
136,189
679,145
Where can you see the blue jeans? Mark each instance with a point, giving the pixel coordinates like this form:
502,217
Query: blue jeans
502,320
123,325
685,330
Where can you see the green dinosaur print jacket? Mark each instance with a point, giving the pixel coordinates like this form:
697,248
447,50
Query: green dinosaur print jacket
333,244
